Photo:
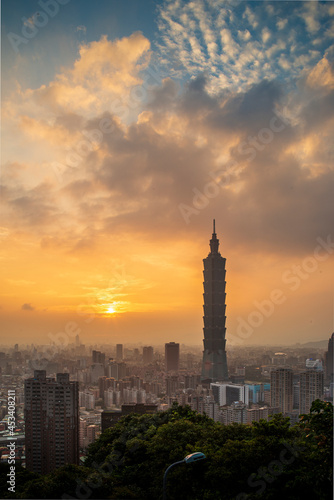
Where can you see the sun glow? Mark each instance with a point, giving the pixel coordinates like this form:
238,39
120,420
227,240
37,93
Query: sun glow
111,310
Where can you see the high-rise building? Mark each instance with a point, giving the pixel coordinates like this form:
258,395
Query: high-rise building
51,422
236,412
87,400
311,387
226,394
214,365
256,413
98,357
329,359
122,369
87,434
172,384
91,433
112,369
205,404
191,381
110,417
259,393
136,353
172,356
314,364
281,389
104,384
119,352
96,371
296,394
82,433
147,355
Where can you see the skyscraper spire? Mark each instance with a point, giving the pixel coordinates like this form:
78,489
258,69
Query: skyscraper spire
214,242
214,355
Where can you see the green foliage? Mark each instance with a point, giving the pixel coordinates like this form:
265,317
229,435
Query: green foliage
318,425
278,426
64,480
269,460
317,437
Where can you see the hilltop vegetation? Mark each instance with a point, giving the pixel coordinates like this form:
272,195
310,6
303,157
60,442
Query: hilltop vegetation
269,460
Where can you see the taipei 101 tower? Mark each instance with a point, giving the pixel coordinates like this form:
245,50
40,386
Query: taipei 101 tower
214,355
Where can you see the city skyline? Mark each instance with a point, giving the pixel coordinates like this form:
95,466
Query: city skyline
126,130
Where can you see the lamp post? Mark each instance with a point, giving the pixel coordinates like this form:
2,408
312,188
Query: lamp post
189,459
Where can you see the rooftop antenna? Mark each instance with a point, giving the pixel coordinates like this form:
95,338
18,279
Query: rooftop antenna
214,226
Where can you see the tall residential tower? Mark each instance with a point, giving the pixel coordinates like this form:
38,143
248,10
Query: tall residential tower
214,355
281,389
52,422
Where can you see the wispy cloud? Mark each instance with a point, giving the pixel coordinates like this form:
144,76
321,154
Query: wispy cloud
81,28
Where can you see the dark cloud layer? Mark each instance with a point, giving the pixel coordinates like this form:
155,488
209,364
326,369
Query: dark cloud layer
273,202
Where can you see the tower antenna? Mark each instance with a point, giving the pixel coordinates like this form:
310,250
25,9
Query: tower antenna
214,226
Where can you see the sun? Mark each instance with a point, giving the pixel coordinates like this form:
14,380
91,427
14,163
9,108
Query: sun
111,310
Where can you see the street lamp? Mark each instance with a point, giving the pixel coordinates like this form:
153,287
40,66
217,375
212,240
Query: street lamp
189,459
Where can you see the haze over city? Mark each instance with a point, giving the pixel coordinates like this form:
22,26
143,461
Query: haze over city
127,128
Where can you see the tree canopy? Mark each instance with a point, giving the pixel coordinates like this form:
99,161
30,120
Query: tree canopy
268,460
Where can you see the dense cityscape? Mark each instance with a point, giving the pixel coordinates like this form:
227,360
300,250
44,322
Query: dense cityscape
115,379
56,401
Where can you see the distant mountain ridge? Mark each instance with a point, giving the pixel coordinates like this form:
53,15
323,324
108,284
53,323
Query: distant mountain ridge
319,343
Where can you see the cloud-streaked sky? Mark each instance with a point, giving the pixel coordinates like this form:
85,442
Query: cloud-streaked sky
128,127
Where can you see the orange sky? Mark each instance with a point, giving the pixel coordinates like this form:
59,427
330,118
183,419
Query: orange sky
110,186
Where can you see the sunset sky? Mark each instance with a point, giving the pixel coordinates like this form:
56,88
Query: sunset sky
127,126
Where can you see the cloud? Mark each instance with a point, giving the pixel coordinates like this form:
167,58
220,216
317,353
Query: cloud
34,207
251,17
201,36
322,75
102,76
281,23
266,35
27,307
142,172
139,173
310,17
244,35
81,28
